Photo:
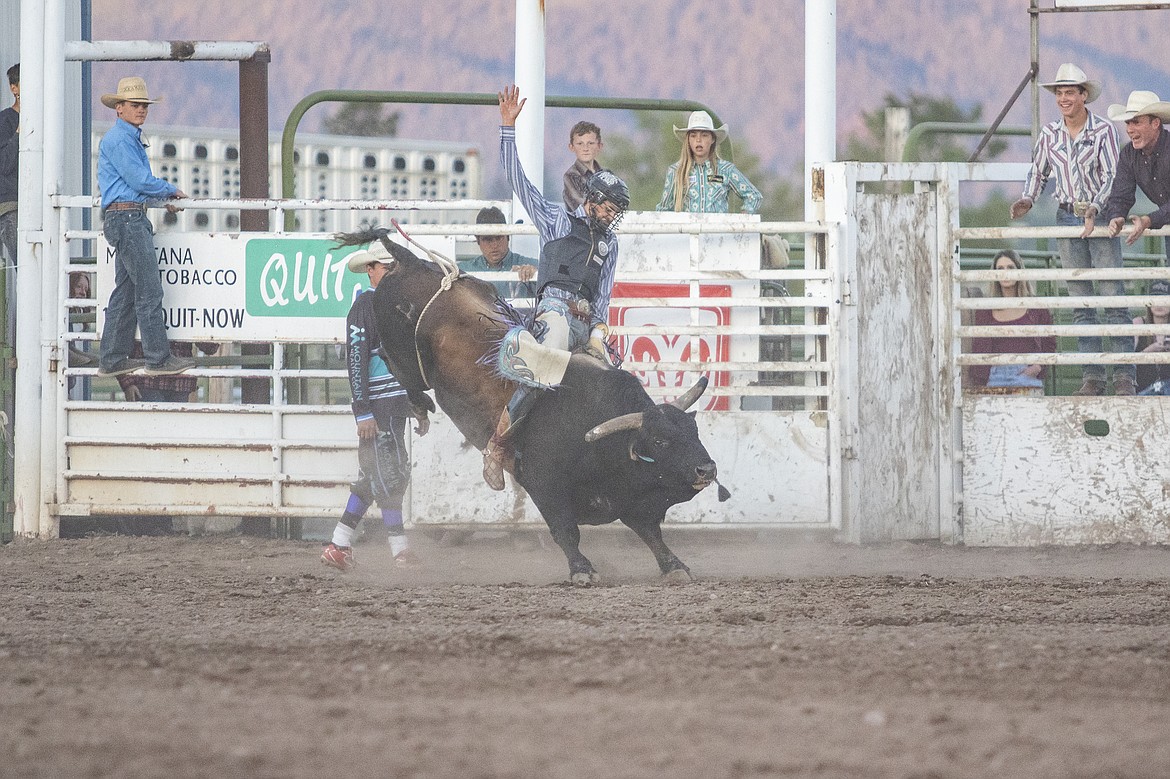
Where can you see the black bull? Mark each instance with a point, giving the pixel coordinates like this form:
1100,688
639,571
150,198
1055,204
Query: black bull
595,450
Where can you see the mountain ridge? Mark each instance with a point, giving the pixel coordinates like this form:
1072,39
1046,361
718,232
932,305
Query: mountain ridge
744,58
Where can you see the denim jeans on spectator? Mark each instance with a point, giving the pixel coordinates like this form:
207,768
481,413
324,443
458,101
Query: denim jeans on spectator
1095,253
137,297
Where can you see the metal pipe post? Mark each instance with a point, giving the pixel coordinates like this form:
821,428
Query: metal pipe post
820,93
530,46
30,221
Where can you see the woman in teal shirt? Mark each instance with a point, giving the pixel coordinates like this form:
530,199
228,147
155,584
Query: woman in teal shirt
700,181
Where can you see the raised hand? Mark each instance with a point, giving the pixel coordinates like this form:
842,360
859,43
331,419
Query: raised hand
510,105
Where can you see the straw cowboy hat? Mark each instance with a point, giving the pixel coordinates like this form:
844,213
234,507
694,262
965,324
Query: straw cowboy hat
700,120
131,89
359,261
1140,103
1069,75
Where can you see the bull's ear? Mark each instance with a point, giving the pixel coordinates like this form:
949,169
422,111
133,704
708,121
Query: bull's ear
693,414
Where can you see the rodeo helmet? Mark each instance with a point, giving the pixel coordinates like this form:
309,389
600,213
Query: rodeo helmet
604,187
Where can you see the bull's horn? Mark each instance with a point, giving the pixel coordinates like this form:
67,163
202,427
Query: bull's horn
690,396
624,422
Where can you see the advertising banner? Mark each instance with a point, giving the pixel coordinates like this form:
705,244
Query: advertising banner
712,347
239,287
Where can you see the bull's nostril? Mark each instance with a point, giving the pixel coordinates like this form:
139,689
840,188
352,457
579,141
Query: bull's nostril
706,472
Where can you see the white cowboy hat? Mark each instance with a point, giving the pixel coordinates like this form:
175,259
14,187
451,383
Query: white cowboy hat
700,120
1069,75
132,89
358,262
1140,103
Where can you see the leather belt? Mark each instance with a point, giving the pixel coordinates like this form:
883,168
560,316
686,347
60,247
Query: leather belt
1077,209
125,205
580,309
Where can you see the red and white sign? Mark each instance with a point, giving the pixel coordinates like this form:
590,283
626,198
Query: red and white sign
713,347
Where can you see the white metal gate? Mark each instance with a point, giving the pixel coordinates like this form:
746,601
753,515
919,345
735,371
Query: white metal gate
688,300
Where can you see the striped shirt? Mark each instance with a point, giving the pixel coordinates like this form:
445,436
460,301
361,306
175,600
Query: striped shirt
552,220
1083,169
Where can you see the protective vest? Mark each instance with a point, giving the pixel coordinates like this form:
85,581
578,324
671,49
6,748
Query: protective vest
574,261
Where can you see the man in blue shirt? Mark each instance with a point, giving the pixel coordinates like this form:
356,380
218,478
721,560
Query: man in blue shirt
497,255
126,183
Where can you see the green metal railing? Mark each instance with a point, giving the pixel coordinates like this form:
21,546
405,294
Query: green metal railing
288,184
951,128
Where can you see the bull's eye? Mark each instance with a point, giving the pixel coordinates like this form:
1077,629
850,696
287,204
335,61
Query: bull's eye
661,443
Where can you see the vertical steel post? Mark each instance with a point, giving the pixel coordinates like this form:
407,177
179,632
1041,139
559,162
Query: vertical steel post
30,222
254,183
530,45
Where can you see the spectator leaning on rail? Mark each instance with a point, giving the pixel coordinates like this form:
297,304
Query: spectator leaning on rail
1079,151
496,255
1144,162
380,407
700,181
585,143
1031,376
578,259
126,184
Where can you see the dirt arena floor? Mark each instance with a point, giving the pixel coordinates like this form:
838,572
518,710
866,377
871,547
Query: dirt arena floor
229,656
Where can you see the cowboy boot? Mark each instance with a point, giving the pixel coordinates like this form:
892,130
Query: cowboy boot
497,453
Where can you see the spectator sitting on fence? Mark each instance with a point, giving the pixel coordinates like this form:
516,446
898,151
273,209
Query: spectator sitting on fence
1154,379
700,181
1031,376
497,255
1079,152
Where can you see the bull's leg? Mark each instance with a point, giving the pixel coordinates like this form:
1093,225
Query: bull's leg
651,534
568,538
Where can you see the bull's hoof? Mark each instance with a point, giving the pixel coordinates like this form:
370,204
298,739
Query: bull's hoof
585,578
678,576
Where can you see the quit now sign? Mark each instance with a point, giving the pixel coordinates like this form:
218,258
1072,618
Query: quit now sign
247,287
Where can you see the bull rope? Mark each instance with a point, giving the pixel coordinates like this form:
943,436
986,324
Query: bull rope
450,273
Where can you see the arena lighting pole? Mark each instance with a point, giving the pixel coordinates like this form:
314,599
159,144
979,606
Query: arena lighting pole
530,45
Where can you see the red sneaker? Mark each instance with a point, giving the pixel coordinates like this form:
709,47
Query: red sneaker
339,557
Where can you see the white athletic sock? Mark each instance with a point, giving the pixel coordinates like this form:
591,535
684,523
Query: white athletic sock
397,545
342,535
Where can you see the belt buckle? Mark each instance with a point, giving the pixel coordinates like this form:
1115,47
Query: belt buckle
1080,208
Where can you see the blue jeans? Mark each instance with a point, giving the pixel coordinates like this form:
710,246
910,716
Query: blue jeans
136,301
1095,253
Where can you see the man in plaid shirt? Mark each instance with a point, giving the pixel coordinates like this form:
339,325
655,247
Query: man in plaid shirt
1079,152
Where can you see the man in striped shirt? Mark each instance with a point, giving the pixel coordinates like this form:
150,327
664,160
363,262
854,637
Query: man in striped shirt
1079,152
578,259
